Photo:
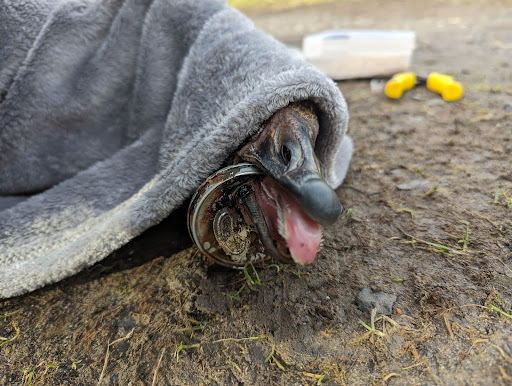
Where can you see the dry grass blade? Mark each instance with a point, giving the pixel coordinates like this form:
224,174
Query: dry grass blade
105,362
157,367
448,325
239,339
423,362
107,355
272,359
5,341
386,377
504,374
507,358
319,377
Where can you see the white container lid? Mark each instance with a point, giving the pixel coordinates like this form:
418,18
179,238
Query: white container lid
357,41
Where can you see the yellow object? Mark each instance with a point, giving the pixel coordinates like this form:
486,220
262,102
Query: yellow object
400,83
449,89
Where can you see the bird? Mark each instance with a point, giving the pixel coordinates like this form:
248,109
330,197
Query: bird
285,202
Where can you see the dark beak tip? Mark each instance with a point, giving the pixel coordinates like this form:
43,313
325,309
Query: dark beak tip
320,202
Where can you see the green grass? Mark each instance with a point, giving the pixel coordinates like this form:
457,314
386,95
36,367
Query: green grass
497,198
236,296
183,347
436,247
371,328
466,239
249,278
271,355
29,374
501,312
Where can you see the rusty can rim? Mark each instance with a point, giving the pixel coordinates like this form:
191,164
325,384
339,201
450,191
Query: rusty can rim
208,187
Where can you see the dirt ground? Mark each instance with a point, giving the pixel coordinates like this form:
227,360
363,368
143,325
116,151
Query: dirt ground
428,218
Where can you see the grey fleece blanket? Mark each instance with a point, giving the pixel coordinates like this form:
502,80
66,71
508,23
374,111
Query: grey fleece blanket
112,112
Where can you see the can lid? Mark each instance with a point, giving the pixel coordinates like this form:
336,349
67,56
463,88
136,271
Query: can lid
216,219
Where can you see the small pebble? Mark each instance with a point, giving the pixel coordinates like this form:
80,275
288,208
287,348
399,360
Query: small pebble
413,184
367,300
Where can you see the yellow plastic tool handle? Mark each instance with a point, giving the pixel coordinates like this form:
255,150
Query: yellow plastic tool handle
399,83
449,89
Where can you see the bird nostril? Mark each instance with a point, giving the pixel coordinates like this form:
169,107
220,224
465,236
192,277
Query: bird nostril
286,154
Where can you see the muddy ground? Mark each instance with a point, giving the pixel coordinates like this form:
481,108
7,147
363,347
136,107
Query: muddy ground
428,217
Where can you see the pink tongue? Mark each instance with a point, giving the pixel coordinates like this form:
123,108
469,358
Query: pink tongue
303,235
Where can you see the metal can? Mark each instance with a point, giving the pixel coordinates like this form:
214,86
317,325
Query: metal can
219,222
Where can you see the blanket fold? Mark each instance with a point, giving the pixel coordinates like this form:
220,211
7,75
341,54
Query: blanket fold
113,112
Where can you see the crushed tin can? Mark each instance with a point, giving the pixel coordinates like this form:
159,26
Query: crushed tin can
219,222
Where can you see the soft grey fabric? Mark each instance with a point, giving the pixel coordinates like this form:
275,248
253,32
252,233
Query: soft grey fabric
113,112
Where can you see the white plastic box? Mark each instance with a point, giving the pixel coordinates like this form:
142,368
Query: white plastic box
349,54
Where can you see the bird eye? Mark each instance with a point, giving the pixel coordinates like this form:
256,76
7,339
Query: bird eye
286,154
